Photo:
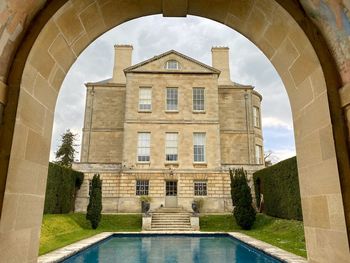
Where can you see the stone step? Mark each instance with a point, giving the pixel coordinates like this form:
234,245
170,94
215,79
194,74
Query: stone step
175,223
171,211
169,215
171,229
170,220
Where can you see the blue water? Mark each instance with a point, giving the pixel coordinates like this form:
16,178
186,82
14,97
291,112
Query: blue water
171,249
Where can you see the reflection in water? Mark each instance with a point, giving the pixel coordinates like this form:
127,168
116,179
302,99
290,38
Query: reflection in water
171,249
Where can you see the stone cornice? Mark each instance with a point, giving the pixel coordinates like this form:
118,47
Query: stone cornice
143,121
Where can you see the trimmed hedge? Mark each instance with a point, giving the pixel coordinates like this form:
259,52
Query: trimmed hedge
62,184
279,185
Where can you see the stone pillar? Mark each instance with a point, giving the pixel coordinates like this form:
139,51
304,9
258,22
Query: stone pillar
195,223
345,104
122,60
146,222
221,61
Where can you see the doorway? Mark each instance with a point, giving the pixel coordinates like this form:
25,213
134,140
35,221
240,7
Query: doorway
170,193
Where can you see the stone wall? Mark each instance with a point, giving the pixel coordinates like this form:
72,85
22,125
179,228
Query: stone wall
119,191
103,124
238,136
184,121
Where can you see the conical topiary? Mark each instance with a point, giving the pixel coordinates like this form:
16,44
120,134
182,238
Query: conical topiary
95,202
244,212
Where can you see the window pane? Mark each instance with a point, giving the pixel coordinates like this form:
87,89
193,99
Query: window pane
171,188
198,99
200,188
171,146
171,99
172,64
145,99
142,187
143,147
256,116
199,147
258,154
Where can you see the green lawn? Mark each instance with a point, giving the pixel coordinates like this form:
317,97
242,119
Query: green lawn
60,230
286,234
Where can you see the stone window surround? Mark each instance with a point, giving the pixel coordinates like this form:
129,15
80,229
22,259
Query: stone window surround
256,117
204,188
143,149
147,98
167,98
202,101
168,147
197,142
145,184
258,154
172,62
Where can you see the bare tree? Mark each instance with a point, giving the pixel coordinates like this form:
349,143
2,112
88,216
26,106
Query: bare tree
270,158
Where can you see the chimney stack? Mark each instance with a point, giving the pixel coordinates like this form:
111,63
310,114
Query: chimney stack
122,60
221,61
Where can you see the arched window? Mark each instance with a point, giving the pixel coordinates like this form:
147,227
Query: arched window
172,65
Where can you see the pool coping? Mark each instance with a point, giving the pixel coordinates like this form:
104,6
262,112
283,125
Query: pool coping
72,249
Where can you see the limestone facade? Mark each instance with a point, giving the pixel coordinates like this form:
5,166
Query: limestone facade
184,99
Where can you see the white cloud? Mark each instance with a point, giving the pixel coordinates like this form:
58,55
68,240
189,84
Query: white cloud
273,122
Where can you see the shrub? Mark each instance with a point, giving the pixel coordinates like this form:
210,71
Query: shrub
62,184
199,203
145,203
280,186
244,212
95,202
145,198
245,216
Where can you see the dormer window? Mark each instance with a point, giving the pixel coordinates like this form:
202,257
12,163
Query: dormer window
172,65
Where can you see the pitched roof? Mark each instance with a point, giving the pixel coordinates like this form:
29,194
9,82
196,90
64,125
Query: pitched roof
138,65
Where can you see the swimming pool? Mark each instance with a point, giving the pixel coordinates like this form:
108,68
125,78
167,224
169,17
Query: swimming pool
171,248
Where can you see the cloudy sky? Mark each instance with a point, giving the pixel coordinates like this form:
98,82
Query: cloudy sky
194,37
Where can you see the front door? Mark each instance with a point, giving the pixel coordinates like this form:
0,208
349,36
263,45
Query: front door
171,194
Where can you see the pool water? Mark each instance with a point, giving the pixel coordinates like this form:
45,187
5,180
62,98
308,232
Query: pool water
171,249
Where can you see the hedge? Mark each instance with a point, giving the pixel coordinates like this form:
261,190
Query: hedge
62,184
279,185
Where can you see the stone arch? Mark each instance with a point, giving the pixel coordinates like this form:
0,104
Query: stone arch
310,80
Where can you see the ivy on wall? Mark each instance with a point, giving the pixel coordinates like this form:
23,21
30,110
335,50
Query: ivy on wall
279,185
61,187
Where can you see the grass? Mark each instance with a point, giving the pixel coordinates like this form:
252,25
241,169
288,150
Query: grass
61,230
285,234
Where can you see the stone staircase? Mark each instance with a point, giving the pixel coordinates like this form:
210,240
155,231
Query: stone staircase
171,219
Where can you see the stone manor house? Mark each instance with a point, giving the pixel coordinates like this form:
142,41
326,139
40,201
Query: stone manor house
169,127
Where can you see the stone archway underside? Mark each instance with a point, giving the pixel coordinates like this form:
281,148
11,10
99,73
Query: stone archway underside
78,22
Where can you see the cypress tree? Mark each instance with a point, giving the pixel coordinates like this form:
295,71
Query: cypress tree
65,153
244,212
95,202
